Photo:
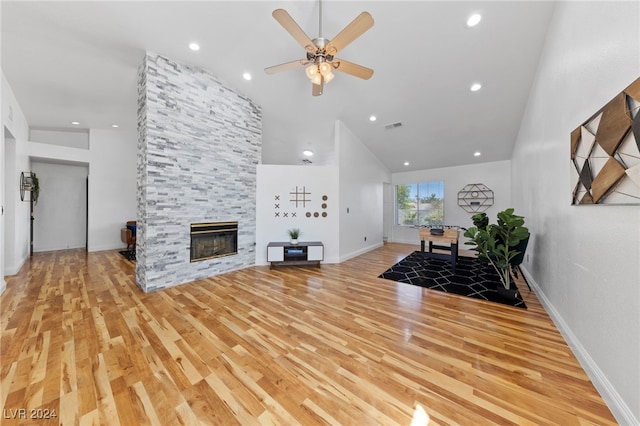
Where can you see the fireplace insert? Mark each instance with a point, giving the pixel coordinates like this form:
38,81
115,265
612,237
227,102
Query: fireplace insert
213,239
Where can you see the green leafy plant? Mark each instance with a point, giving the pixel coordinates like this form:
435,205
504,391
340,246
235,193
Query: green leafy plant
496,242
480,220
35,188
294,233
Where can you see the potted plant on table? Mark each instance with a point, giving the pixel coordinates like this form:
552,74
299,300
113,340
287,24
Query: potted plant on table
294,234
496,243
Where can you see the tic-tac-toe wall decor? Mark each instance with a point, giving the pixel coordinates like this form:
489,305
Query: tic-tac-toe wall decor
605,153
300,201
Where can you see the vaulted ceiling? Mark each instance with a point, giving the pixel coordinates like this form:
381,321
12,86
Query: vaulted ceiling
77,61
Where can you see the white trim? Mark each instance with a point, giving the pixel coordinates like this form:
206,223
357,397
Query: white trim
105,247
3,285
360,251
13,270
616,404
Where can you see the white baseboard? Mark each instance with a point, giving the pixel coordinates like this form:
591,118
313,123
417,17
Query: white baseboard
15,268
41,249
616,404
412,242
357,253
103,247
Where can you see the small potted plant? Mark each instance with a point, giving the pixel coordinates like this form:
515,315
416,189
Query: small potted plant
496,243
294,234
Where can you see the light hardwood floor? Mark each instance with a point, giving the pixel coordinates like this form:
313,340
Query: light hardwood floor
334,345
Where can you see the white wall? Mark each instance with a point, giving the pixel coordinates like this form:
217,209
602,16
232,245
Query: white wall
112,186
278,181
14,125
60,216
16,229
361,178
585,260
112,179
495,175
71,138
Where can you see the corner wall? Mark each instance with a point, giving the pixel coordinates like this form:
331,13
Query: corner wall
112,186
198,149
585,260
277,210
361,179
13,253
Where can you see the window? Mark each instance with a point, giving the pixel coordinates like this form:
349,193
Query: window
420,204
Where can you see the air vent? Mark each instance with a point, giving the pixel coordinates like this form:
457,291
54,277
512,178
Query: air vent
306,161
392,125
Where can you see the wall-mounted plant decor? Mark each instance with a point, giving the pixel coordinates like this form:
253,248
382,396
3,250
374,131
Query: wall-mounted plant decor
29,184
475,197
605,152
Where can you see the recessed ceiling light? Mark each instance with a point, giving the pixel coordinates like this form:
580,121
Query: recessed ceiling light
477,154
75,123
194,46
474,20
246,76
406,163
475,87
307,152
373,118
114,125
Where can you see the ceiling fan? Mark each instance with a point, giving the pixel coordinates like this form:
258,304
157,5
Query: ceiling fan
320,59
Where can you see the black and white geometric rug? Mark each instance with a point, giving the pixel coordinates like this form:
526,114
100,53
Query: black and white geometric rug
473,278
129,254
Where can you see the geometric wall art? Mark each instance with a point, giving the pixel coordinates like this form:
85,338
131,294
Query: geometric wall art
299,202
475,198
605,153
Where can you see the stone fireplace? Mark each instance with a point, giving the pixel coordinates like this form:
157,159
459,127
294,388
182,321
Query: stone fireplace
213,239
199,144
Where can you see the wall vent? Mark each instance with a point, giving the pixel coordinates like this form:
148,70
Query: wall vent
392,125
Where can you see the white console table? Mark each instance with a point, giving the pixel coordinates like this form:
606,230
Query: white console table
303,253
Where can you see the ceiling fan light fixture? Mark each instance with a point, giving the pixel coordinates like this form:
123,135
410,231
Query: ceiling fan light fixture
328,77
317,78
311,71
325,68
320,60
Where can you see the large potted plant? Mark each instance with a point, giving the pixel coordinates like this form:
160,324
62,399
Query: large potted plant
496,243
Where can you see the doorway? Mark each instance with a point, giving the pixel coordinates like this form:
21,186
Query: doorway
61,212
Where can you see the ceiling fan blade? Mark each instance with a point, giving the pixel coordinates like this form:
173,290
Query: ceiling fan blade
355,29
352,69
286,66
317,89
293,28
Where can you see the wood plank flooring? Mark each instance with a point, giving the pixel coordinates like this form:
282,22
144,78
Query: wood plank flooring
81,344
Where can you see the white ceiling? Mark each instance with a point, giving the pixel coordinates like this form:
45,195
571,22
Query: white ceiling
77,61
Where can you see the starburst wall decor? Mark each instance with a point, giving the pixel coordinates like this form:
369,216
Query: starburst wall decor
605,152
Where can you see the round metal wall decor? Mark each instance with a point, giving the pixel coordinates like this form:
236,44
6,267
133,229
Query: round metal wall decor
26,184
475,197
